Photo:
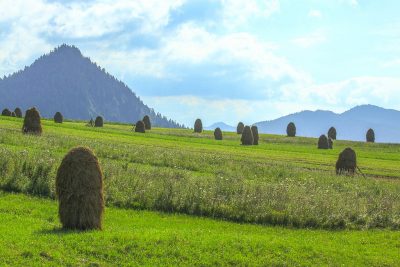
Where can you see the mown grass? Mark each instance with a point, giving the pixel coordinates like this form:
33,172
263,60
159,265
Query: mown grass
283,181
30,235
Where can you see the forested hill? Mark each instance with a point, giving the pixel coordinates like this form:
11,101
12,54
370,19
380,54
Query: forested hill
66,81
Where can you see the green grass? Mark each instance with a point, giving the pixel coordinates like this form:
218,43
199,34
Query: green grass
30,235
283,181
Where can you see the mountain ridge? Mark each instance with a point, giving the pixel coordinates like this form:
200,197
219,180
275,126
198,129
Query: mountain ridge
350,125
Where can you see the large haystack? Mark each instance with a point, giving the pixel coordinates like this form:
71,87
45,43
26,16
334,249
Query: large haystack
247,136
198,126
370,136
347,162
32,123
140,127
6,112
98,122
323,142
18,112
79,189
240,128
254,130
58,117
147,123
332,133
291,130
218,134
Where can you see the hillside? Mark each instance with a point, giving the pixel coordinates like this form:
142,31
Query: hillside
350,125
66,81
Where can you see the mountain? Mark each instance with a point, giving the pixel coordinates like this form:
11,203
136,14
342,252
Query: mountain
66,81
223,126
350,125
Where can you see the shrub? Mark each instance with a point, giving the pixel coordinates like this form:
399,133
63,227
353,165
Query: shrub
32,123
218,134
291,130
254,130
18,112
198,126
247,136
98,122
140,127
332,133
347,162
330,143
147,123
239,128
58,117
323,142
6,112
79,190
370,136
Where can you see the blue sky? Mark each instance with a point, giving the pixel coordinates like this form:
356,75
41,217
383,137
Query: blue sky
222,60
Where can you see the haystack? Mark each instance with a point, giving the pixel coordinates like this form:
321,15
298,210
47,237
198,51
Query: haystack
79,189
254,130
347,162
218,134
247,136
291,130
140,127
32,123
147,123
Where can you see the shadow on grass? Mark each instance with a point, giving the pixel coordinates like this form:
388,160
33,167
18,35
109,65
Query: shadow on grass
61,231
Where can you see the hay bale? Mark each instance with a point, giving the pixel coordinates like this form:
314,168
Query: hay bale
140,127
323,142
58,117
198,126
32,123
330,143
99,121
247,136
240,128
254,130
79,190
147,123
218,134
370,136
18,112
291,129
6,112
332,133
347,162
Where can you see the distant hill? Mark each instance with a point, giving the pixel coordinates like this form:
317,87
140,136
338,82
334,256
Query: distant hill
350,125
66,81
223,126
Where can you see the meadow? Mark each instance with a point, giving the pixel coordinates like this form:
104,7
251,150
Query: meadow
281,197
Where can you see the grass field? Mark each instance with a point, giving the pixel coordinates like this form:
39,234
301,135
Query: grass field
30,235
285,185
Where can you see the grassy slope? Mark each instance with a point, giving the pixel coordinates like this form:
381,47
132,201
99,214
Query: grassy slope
30,236
283,181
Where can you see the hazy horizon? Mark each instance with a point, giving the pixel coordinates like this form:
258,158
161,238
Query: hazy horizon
222,60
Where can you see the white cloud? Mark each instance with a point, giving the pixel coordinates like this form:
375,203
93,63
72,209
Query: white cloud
238,12
32,21
315,13
310,40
